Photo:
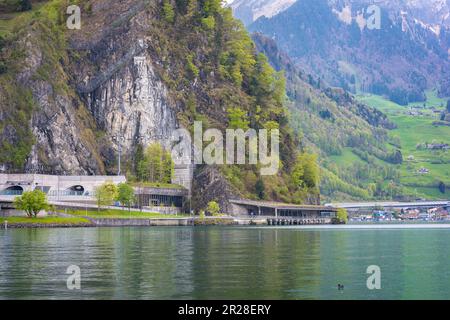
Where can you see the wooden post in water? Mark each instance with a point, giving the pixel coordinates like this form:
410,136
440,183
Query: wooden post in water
6,224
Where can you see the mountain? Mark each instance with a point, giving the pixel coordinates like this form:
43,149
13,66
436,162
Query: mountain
134,72
430,12
336,66
250,10
401,59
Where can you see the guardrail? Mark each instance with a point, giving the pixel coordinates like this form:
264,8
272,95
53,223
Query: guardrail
11,193
68,193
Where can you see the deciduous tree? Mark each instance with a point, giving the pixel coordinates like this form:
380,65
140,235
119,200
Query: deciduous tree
342,215
125,194
213,208
32,202
106,194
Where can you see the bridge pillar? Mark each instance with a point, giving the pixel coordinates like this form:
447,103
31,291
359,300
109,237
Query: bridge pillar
276,212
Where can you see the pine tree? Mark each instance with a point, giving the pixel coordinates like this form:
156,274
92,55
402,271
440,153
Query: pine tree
260,189
25,5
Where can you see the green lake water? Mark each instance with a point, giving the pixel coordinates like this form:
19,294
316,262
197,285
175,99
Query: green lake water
224,263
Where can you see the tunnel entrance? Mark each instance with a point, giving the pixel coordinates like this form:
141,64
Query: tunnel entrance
12,191
78,190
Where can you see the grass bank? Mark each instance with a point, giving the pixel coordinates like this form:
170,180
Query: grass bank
44,221
122,214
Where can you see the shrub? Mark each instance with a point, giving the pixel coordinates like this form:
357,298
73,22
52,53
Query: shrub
213,208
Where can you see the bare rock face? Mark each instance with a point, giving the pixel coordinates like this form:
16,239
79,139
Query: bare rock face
134,105
118,81
61,144
210,185
112,97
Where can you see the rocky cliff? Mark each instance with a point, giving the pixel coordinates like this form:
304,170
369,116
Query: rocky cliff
135,71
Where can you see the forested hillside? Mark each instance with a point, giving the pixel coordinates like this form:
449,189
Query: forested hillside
359,157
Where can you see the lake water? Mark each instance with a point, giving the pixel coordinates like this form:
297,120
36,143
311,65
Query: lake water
224,263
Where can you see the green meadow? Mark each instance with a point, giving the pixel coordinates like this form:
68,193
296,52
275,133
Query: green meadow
121,214
413,130
45,221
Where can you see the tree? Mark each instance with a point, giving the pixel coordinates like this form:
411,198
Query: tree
395,157
213,208
297,174
238,119
342,215
156,166
210,7
260,189
106,194
168,167
442,187
168,12
191,67
32,202
125,194
209,23
138,158
305,172
25,5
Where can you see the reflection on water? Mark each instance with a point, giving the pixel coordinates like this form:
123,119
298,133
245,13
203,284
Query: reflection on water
223,263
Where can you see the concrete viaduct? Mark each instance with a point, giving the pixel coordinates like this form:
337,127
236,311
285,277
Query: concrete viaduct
391,205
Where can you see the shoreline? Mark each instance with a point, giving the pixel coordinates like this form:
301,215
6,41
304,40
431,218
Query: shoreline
372,226
221,222
124,222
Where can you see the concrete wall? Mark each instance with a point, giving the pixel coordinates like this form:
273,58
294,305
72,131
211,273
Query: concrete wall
29,181
238,210
244,210
164,210
183,176
141,222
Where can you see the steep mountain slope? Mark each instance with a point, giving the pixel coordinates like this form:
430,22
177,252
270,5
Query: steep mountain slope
336,126
135,71
430,12
401,59
250,10
424,140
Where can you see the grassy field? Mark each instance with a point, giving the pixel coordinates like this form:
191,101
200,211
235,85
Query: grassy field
345,158
414,130
44,221
121,214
